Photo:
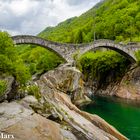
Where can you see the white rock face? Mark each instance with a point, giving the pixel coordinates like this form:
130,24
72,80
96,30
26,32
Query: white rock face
23,124
65,79
11,113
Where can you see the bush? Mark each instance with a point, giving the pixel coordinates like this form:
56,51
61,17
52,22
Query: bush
6,65
98,65
21,72
40,60
3,87
35,91
32,68
137,54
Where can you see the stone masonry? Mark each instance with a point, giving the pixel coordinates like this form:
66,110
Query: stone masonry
66,51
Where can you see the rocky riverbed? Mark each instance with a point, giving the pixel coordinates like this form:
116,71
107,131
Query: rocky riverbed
54,115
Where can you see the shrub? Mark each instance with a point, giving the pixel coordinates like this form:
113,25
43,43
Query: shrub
21,72
3,87
35,91
40,60
98,65
137,54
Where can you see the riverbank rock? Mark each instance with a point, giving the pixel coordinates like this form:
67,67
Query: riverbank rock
104,86
66,79
129,87
9,80
12,91
26,119
21,123
56,104
53,116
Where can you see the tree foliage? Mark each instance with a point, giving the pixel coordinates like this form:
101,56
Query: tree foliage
137,54
3,87
10,63
100,64
38,59
111,19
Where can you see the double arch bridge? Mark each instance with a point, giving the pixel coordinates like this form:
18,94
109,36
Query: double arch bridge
66,51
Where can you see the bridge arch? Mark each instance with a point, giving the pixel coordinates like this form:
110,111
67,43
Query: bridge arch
28,39
66,51
126,51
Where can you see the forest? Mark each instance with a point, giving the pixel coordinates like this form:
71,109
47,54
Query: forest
110,19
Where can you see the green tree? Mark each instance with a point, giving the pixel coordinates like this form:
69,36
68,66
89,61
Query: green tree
78,36
114,18
3,87
10,63
39,59
98,65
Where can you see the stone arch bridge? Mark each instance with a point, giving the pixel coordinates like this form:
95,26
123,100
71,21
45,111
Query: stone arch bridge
66,51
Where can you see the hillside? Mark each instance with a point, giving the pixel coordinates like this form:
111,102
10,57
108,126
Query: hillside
111,19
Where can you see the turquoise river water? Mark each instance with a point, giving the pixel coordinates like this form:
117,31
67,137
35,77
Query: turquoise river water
122,114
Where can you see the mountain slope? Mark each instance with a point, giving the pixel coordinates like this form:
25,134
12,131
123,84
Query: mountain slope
112,19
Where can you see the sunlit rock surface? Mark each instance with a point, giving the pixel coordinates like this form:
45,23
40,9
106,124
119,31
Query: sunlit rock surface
66,79
24,123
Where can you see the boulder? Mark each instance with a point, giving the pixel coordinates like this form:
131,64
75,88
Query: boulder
10,82
20,123
68,80
129,87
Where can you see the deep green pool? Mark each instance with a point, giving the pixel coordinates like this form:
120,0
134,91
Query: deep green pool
122,114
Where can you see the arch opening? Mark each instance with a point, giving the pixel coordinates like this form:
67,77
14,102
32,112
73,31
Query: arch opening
120,51
129,57
33,40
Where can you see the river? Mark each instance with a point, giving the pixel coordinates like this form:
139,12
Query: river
122,114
